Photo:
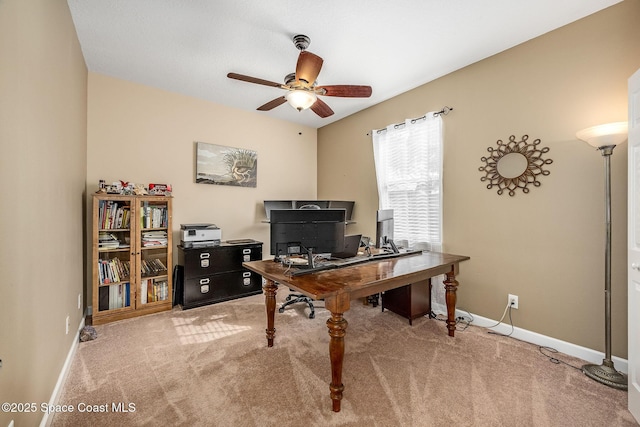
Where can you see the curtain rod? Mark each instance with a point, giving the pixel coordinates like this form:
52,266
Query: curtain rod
444,111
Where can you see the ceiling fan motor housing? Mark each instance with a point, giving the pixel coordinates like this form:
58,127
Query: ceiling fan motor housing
290,78
301,41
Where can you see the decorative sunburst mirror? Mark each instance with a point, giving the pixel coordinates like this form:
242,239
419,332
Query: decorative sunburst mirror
514,164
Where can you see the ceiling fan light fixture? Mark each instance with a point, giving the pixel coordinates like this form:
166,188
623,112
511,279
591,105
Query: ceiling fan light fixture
301,99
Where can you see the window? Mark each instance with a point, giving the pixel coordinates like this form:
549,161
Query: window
408,161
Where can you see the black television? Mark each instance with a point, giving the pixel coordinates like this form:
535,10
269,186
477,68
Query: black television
306,232
384,229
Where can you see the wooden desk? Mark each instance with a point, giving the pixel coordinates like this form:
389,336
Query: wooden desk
338,287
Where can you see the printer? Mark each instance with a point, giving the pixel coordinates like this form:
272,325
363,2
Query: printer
201,235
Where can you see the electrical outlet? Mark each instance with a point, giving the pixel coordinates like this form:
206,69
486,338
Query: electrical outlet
79,301
67,323
513,301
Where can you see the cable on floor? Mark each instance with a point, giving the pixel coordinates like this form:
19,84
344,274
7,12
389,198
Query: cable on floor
459,320
507,308
541,348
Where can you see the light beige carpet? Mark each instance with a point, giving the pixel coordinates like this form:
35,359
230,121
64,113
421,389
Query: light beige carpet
211,367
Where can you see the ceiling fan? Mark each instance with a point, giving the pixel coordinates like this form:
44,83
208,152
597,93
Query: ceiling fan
301,86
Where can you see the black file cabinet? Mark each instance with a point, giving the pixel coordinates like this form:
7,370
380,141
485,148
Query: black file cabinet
215,274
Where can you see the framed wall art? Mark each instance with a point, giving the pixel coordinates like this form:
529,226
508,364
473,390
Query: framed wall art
222,165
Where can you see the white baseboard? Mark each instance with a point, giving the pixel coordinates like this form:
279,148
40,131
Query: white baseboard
587,354
63,374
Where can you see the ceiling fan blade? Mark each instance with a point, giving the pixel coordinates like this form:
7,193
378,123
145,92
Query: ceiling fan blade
321,109
308,68
253,80
347,91
272,104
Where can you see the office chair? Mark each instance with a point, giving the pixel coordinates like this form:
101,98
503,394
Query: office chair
294,298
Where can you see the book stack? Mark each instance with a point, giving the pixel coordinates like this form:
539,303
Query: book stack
108,241
113,270
114,296
154,216
152,290
154,238
114,215
153,267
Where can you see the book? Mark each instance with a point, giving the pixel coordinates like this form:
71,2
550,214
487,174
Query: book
103,298
143,291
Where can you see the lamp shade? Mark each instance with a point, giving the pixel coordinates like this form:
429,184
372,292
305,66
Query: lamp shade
301,99
604,135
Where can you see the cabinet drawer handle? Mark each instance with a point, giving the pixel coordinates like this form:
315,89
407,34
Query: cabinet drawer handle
205,281
205,255
204,289
246,274
204,263
246,251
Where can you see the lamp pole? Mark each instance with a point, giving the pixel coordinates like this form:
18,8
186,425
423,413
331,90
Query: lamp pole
606,372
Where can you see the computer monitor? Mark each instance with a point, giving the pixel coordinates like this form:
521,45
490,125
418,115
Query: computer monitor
270,205
307,232
384,229
339,204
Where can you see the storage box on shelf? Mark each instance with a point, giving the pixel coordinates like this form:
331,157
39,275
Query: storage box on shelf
132,256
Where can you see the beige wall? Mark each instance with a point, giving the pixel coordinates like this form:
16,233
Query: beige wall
43,107
547,246
141,134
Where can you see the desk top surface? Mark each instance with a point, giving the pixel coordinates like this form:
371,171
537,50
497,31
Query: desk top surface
360,279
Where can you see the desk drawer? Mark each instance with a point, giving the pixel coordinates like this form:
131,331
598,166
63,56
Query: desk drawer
220,287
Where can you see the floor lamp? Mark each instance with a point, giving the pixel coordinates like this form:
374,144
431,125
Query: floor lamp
605,138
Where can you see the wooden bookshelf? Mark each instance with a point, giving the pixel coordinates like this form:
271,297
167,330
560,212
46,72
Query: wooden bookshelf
132,256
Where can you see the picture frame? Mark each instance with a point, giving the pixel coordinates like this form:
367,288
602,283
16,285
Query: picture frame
223,165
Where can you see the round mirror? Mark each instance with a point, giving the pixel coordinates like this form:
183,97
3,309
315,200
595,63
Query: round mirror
512,165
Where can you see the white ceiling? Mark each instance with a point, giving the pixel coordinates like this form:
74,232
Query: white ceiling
189,46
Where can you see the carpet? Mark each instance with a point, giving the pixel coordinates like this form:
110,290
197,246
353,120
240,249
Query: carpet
210,366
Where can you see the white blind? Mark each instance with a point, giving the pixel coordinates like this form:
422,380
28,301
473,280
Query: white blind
408,161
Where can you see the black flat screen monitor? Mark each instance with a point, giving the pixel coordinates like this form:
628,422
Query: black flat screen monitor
384,227
339,204
306,232
270,205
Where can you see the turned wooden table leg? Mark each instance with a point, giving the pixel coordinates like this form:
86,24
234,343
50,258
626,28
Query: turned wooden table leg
270,288
450,286
337,328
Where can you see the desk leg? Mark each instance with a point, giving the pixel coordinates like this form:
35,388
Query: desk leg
270,288
337,328
450,286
